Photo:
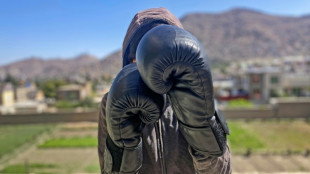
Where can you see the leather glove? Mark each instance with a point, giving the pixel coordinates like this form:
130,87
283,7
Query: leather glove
171,60
130,105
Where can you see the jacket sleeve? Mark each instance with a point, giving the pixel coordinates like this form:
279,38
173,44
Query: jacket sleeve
102,131
207,165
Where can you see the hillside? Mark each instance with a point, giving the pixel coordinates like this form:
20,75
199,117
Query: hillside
227,36
242,33
35,67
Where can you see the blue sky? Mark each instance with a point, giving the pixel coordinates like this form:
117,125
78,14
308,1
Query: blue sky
66,28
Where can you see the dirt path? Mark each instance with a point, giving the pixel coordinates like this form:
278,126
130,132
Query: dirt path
71,160
271,164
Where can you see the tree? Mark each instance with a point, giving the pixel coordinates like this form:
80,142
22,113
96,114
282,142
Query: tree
49,87
11,79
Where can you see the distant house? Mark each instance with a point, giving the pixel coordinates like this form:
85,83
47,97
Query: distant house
28,92
268,82
264,82
226,90
29,99
100,90
6,98
297,84
6,94
36,95
74,92
28,107
263,79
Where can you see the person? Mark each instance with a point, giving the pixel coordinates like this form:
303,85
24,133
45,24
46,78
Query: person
164,133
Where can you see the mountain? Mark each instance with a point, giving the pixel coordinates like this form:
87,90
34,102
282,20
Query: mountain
243,33
35,67
108,66
82,65
228,36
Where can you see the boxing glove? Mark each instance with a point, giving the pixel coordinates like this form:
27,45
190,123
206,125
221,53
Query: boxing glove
172,61
130,105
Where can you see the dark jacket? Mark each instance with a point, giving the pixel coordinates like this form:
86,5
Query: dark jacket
165,150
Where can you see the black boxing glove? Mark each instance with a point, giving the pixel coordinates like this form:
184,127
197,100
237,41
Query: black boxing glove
171,60
130,105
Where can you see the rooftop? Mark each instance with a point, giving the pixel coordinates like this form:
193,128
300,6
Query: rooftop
263,70
69,87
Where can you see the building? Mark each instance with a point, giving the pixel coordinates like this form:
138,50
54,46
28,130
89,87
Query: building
6,98
29,99
268,82
74,92
29,107
297,84
6,95
264,82
28,92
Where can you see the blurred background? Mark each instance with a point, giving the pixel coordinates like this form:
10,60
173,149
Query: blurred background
58,58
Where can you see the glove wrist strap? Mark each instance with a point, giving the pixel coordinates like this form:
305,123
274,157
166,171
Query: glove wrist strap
122,160
209,140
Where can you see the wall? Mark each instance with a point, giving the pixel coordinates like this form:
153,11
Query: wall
280,109
90,116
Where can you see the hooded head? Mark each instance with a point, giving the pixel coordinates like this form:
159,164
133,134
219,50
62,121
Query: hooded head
143,22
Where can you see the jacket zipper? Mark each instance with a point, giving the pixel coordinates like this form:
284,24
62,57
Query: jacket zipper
160,149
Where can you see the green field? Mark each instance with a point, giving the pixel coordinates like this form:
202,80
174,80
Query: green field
14,136
27,168
258,136
272,136
70,142
72,147
93,168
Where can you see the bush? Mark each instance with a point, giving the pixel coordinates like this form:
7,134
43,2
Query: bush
64,104
88,102
240,103
85,103
49,87
72,142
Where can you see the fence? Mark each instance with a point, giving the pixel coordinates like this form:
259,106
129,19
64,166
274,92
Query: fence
279,109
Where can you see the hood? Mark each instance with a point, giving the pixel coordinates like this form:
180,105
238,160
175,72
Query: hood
142,22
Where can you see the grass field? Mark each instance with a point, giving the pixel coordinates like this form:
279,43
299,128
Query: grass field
70,142
30,168
93,168
14,136
272,136
72,146
258,136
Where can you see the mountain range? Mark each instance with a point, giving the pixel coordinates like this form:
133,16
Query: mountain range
228,36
